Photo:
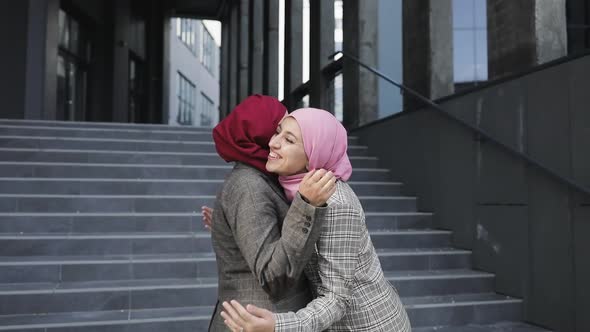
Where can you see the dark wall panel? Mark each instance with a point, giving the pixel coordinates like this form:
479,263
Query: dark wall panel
550,300
502,246
455,195
579,84
582,265
13,57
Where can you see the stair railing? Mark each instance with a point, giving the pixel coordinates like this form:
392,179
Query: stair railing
483,134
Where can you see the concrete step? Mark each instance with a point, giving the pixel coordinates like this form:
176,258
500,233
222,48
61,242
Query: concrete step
33,223
424,259
106,125
440,282
113,132
105,244
462,309
71,186
80,267
31,269
56,244
109,157
139,132
189,319
117,144
143,171
495,327
399,220
156,203
135,157
46,142
401,239
42,298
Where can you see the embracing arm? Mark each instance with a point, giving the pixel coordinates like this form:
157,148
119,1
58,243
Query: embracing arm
338,247
276,255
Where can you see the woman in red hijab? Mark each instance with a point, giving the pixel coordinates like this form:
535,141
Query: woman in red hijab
261,244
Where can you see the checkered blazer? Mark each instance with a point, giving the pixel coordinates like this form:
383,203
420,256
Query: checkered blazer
261,244
351,291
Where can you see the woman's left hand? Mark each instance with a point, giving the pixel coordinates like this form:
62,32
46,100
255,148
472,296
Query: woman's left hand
207,214
253,319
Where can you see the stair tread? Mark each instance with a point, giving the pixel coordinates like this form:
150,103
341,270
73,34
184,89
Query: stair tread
109,235
90,124
421,251
497,327
436,274
377,183
104,285
191,234
106,317
102,139
96,259
197,256
458,299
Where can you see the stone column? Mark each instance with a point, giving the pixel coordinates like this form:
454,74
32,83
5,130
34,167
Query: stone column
224,69
428,49
244,50
271,48
256,54
233,83
321,47
360,23
293,46
522,34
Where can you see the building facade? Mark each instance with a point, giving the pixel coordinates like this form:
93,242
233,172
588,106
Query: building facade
193,74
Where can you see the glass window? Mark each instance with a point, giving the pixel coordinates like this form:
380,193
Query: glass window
208,50
207,111
470,48
185,30
186,101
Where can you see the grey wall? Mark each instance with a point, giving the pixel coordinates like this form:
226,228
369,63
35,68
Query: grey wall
528,229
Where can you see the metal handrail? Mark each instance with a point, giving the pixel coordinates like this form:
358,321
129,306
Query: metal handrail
477,130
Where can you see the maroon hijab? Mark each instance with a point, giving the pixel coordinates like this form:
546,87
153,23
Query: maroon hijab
245,133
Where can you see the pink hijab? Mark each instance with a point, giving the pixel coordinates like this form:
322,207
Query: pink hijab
325,142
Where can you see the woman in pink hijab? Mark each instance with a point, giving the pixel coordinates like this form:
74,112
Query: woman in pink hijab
351,292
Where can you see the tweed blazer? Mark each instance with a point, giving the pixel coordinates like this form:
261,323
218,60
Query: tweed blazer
261,244
350,290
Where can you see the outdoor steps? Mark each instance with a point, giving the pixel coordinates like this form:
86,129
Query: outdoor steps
100,230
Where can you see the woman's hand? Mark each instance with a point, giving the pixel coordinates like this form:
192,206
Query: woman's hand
207,214
318,186
254,319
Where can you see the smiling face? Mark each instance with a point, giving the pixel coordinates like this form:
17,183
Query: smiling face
287,155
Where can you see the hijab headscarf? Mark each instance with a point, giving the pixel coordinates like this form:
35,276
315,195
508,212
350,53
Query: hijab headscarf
325,142
245,133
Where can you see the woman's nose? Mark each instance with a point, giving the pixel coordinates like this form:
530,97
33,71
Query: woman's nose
274,142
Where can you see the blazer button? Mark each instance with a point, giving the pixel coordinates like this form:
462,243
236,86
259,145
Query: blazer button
305,231
307,224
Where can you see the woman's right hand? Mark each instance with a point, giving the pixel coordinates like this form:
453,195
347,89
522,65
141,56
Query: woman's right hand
207,214
318,186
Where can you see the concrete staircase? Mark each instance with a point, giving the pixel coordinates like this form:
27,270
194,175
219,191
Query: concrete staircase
100,230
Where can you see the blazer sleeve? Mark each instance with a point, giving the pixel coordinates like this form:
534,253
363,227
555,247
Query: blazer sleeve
338,249
276,254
